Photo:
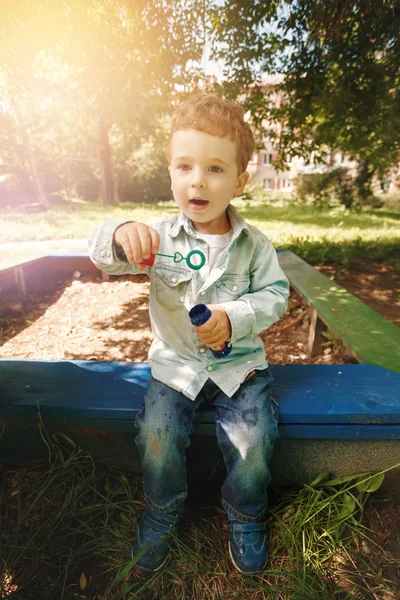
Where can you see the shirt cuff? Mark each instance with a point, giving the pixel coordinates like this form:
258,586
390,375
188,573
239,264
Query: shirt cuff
241,316
101,247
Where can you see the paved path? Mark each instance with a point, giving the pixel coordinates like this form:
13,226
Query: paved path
80,243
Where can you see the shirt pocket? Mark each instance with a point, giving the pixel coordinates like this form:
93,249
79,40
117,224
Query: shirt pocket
231,286
172,286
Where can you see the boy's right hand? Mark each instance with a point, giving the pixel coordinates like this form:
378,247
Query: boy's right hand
138,241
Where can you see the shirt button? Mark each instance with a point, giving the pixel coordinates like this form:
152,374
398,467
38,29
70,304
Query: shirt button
202,293
202,350
209,368
173,280
181,299
102,254
109,253
234,288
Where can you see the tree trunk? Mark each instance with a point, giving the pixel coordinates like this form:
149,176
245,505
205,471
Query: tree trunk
30,158
363,183
105,157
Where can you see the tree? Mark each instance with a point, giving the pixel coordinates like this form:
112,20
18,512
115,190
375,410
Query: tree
341,67
100,64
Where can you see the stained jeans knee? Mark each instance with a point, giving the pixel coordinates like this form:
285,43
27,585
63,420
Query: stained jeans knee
164,426
246,431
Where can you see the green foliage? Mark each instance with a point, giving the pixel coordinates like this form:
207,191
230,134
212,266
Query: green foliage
69,527
67,530
144,177
324,251
327,189
340,63
254,190
80,74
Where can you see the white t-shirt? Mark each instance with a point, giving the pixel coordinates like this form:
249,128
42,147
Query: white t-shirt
216,244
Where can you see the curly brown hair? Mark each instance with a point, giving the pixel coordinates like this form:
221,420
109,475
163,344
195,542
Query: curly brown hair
215,116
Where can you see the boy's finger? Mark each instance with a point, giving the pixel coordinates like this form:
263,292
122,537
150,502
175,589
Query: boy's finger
126,246
136,248
145,242
208,328
155,241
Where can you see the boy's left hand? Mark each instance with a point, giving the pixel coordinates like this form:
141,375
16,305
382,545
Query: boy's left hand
217,330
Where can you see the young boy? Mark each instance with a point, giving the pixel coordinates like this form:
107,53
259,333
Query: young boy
242,284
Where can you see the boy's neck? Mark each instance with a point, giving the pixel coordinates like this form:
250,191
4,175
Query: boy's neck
216,227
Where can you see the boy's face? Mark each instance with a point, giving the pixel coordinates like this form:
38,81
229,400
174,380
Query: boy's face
204,175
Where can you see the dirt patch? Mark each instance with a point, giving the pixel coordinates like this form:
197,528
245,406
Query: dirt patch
92,319
89,318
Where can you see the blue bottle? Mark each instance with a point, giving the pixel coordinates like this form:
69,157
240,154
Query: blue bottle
199,314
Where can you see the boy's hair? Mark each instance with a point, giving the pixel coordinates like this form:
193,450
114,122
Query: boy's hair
215,116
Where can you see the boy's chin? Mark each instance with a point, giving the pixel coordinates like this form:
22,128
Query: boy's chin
213,226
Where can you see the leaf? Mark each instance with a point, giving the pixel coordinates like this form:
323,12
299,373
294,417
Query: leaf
345,479
83,581
327,334
320,477
372,484
59,434
125,591
348,506
128,568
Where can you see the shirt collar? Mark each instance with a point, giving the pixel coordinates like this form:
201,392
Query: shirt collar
238,224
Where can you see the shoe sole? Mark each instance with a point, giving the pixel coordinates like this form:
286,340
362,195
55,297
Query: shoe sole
240,570
152,570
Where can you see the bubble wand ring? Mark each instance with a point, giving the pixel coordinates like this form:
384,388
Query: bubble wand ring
178,257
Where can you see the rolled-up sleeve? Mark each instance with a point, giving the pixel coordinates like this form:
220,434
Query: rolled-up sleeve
267,298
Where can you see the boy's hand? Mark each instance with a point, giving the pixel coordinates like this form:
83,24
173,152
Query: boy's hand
138,241
217,330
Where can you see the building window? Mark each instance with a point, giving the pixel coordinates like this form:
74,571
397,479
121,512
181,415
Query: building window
286,184
267,159
268,184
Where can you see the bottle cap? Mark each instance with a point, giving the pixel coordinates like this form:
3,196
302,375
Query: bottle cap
199,314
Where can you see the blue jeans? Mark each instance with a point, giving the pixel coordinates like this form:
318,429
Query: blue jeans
247,427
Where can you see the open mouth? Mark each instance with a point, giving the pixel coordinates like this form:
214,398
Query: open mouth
198,203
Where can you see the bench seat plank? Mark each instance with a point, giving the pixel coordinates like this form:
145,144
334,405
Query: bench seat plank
307,394
371,338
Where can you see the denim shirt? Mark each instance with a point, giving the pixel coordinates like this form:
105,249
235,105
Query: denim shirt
246,281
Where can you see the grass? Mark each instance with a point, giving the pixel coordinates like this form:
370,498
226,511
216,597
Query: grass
319,236
66,533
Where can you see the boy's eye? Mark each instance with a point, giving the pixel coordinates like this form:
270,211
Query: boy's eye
184,167
216,169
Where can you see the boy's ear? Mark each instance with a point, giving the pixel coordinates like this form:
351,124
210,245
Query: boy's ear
241,182
169,171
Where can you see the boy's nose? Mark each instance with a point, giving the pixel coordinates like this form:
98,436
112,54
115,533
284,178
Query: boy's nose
197,179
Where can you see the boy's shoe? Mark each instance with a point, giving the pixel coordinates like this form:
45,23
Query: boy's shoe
154,533
248,546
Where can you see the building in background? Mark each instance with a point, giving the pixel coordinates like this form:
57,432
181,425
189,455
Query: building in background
261,164
284,181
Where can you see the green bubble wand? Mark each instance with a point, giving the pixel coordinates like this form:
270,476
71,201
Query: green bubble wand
178,257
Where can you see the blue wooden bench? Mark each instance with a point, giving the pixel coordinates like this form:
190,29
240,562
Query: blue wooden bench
339,418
